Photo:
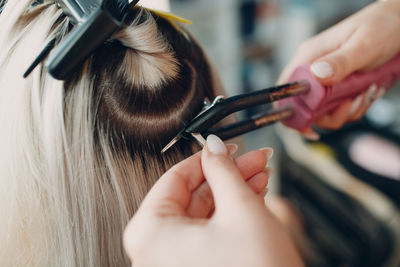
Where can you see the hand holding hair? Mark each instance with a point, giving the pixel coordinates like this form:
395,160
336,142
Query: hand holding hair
240,232
362,42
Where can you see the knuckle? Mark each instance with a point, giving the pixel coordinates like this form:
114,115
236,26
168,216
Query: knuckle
363,45
177,174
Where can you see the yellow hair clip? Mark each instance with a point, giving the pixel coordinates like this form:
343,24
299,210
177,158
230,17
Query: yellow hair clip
169,16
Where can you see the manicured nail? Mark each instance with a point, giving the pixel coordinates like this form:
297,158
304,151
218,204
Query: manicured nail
371,94
232,148
269,152
311,136
216,146
355,105
381,93
322,69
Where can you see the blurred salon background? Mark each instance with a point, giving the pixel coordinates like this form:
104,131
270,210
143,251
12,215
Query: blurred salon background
346,186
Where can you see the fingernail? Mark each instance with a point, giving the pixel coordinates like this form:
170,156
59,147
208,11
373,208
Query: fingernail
269,152
371,94
381,92
355,105
311,136
322,69
216,146
232,148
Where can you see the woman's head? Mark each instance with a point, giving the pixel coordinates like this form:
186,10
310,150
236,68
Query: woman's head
78,156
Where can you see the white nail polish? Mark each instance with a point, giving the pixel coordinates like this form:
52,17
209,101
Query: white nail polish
232,148
269,152
322,69
355,105
216,146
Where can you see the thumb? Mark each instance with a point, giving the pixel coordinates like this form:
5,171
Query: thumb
226,182
352,56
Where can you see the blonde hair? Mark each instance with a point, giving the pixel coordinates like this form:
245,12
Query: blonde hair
77,157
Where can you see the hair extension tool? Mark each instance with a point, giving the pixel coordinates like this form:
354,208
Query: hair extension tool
94,22
201,125
322,99
299,103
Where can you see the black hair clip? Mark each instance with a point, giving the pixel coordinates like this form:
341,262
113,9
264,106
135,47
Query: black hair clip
94,22
200,126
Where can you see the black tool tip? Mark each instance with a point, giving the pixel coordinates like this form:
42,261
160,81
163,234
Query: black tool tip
46,50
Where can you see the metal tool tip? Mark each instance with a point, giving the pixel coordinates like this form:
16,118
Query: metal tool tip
170,144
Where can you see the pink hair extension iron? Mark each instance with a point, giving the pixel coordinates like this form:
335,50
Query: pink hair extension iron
202,125
321,99
300,102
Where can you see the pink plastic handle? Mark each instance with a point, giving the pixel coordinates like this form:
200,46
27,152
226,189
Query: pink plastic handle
321,99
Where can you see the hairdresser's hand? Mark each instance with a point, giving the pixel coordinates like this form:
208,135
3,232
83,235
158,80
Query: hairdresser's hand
362,42
252,167
240,232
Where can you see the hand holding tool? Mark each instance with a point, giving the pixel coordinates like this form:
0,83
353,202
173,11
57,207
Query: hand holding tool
322,99
300,103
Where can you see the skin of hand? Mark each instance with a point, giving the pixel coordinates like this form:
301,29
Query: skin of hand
241,231
361,42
